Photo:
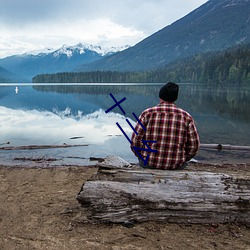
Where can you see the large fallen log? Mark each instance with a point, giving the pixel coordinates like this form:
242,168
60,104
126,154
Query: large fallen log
136,195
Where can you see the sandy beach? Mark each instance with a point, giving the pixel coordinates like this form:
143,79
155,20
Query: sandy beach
39,210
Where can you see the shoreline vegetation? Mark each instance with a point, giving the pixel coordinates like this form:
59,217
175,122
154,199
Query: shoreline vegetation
39,210
230,66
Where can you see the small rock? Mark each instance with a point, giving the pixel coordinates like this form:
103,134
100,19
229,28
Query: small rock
70,227
128,224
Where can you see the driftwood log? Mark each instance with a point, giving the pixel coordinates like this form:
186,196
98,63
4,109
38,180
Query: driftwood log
30,147
224,147
120,195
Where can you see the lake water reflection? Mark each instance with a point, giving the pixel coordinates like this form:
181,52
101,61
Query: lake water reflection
75,114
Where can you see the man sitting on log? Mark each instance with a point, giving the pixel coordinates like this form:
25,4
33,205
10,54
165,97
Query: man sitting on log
165,136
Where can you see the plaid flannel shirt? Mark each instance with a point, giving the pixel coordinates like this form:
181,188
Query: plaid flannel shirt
174,131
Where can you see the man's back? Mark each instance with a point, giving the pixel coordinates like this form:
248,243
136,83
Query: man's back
174,132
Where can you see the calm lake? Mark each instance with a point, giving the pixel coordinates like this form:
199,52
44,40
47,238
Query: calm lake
74,114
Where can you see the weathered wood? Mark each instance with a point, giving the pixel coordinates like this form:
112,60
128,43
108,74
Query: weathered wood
113,161
119,195
29,147
224,147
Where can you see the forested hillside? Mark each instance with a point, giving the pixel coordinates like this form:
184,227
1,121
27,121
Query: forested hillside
231,66
214,26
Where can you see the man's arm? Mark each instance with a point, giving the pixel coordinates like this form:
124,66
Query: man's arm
193,141
137,137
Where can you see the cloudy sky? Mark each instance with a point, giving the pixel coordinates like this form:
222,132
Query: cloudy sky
29,25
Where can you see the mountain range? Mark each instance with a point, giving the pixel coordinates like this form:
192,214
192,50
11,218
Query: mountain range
7,76
64,59
214,26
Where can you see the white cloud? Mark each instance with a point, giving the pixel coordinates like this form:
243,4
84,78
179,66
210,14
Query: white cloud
33,24
37,36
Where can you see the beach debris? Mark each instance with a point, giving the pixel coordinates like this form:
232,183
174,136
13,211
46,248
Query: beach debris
40,159
99,159
114,161
76,137
5,143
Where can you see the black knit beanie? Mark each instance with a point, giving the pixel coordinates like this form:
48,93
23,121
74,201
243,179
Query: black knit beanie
169,92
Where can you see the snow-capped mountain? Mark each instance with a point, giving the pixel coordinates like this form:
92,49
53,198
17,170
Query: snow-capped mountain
81,48
63,59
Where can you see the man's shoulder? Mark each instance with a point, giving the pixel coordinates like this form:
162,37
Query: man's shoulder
183,113
178,109
150,110
166,108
